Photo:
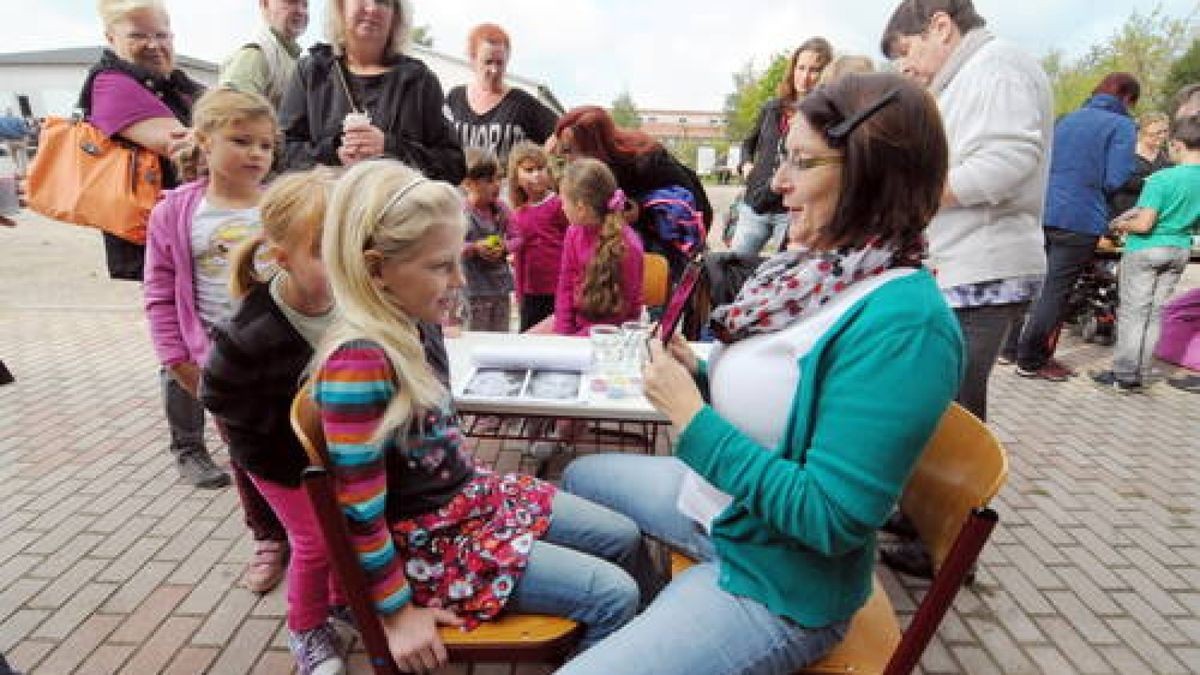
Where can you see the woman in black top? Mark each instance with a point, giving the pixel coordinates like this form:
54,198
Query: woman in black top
488,114
361,97
1149,156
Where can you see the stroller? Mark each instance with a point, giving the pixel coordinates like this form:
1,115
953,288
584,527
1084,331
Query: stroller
1092,305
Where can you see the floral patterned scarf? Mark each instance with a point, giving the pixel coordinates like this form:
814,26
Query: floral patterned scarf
795,284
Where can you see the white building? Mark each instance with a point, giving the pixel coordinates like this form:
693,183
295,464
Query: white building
47,82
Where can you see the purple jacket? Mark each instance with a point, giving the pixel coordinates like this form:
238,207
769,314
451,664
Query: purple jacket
169,294
578,248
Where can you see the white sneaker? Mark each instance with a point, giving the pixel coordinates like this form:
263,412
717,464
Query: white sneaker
318,651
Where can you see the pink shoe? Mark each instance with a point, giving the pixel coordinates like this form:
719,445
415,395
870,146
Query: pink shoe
267,567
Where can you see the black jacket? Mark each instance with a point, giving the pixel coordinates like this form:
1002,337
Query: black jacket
409,112
253,372
762,148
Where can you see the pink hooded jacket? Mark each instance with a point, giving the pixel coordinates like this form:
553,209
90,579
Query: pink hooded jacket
169,294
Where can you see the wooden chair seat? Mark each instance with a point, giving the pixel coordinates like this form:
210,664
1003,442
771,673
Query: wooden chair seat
511,638
656,281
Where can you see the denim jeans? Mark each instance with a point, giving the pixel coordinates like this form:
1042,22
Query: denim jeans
1067,255
755,229
692,627
584,568
1147,280
185,416
984,330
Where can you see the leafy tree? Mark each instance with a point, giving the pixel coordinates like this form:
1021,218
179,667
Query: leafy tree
421,35
1184,71
751,91
1145,45
624,112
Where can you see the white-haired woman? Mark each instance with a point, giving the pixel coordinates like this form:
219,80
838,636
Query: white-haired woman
361,97
135,92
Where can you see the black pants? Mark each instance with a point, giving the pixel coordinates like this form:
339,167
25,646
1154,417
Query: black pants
535,308
125,259
1067,255
984,329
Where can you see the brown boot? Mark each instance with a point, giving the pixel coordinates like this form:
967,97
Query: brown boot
267,567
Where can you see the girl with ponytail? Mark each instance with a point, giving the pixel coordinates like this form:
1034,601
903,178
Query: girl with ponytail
442,540
600,280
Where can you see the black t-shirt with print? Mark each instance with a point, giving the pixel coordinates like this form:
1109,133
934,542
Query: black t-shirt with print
518,117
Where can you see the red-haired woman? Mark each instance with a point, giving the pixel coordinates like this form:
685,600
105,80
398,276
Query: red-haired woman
487,113
640,163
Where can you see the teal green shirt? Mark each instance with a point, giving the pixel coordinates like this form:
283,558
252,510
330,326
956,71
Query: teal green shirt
1175,194
799,536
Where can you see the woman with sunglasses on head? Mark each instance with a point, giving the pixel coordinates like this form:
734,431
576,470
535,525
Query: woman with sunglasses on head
362,97
799,451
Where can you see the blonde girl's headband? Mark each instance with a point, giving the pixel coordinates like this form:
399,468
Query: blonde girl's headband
403,191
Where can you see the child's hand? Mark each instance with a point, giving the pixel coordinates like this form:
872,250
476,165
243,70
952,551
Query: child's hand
413,638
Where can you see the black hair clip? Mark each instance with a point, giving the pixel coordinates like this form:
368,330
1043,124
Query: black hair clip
841,130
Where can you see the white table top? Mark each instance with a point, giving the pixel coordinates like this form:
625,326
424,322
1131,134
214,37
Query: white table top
594,405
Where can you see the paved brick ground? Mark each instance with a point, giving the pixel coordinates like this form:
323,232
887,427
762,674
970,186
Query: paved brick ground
107,565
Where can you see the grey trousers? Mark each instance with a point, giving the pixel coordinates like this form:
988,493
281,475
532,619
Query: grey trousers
1147,280
185,416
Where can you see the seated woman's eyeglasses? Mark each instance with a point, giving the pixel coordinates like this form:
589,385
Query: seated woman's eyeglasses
798,162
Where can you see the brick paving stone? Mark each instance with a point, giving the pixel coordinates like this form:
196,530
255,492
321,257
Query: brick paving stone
68,584
1190,657
198,563
25,656
123,536
1050,660
1100,574
19,625
62,534
15,567
16,543
144,620
72,651
273,663
18,594
1151,592
192,660
1036,572
66,556
1154,623
1006,653
1010,615
1082,655
1146,646
207,595
106,660
138,587
975,660
1029,598
159,650
1087,591
937,659
225,618
74,611
132,560
242,651
185,542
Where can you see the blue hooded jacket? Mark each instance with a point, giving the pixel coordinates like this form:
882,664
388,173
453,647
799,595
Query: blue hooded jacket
1092,156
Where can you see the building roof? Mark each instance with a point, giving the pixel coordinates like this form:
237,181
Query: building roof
84,56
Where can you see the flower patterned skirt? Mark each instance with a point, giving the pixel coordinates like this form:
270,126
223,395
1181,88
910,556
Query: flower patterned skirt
468,555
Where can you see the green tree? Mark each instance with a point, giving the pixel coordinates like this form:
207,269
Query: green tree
752,90
421,35
624,112
1184,71
1145,45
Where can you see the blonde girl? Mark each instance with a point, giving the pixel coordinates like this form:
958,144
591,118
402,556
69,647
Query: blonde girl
442,540
254,368
538,227
190,236
600,279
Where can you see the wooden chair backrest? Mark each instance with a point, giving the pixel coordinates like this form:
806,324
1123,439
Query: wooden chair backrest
306,424
656,283
962,468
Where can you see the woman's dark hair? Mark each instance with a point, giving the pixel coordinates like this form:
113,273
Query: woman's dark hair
1121,85
595,135
912,17
818,45
895,160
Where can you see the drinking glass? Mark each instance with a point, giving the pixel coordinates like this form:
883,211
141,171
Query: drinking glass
606,348
633,345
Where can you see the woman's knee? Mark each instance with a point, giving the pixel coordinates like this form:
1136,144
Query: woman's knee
614,590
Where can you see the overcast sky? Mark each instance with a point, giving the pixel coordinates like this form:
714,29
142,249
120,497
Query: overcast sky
666,54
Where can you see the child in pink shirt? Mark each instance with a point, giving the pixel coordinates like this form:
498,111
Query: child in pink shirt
536,234
600,278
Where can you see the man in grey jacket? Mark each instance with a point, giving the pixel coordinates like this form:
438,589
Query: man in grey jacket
264,64
986,242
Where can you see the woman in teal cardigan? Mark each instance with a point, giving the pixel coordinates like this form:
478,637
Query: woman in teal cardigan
835,363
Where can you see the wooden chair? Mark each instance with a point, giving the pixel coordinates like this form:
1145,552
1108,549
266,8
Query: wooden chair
513,638
959,472
656,283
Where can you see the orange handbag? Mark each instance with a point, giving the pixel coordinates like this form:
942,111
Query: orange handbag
82,176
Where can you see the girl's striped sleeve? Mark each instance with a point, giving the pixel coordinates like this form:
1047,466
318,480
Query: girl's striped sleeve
353,389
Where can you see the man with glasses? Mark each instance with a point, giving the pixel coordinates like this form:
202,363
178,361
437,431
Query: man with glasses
986,242
266,63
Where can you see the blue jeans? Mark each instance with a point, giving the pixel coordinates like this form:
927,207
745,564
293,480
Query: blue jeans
581,568
1148,278
755,229
1067,255
693,627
